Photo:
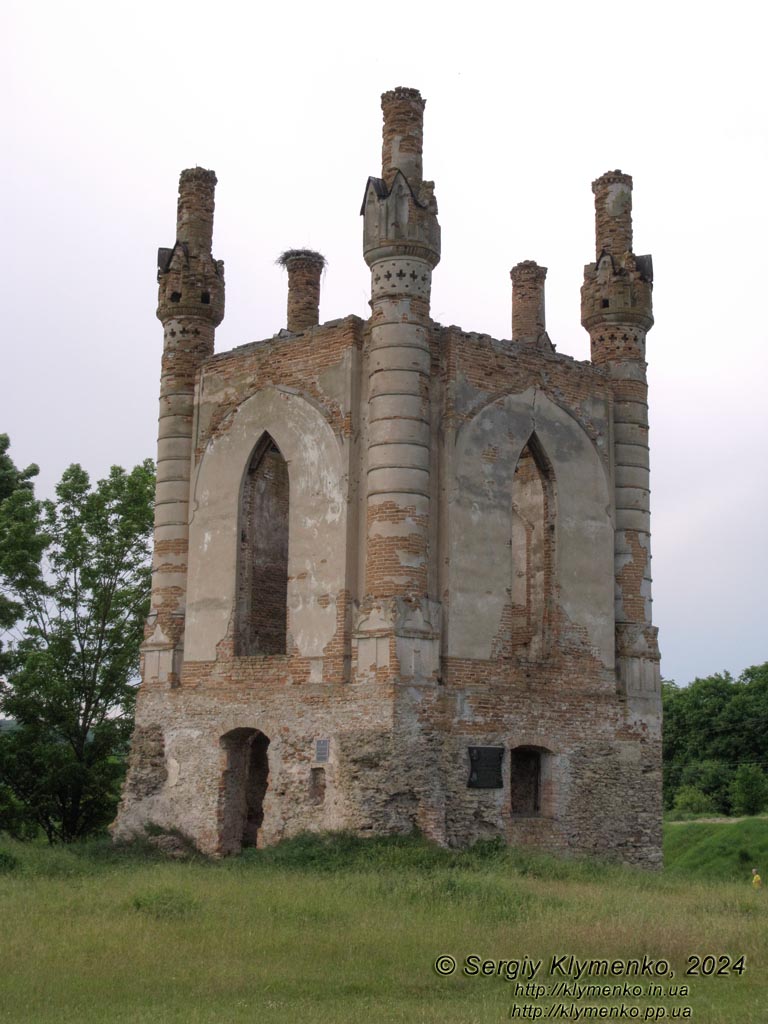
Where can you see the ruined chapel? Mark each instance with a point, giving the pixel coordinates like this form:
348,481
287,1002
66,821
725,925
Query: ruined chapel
401,573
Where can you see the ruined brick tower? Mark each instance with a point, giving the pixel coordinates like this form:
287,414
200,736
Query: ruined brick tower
402,572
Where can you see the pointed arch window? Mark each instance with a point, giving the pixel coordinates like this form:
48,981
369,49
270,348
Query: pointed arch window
262,592
532,543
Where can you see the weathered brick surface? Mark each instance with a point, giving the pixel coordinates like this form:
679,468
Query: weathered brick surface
403,134
305,268
528,318
468,559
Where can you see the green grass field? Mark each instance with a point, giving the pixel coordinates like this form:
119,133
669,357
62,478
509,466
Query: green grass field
335,929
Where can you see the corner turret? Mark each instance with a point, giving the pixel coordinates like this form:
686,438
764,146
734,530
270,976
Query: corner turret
190,307
616,310
616,297
191,282
403,135
399,208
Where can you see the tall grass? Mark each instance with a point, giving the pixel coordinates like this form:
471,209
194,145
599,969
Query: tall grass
336,929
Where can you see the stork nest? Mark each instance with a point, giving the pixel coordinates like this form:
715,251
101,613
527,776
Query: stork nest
301,254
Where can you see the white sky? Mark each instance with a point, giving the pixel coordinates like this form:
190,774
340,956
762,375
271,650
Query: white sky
527,103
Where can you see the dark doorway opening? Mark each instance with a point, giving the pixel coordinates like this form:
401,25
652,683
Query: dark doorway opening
244,785
525,781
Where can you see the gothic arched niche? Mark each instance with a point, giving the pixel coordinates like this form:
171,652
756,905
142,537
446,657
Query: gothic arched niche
532,543
262,578
579,556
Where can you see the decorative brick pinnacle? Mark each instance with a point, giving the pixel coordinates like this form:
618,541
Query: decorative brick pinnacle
612,178
402,137
305,267
198,174
528,270
402,92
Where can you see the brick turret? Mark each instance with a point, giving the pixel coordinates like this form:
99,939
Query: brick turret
403,135
398,635
401,246
616,309
190,307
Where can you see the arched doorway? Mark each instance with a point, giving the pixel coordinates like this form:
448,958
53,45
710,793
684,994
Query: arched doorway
244,784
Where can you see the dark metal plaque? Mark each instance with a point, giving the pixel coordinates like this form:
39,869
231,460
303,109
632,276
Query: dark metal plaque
485,767
322,750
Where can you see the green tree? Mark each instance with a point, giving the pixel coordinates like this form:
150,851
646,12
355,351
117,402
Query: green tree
711,778
15,486
79,567
710,728
749,790
11,477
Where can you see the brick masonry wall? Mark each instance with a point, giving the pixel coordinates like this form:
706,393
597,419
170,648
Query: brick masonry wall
422,618
399,762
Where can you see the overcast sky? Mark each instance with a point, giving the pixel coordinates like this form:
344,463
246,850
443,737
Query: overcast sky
106,102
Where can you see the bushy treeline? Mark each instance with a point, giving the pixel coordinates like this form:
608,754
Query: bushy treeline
715,746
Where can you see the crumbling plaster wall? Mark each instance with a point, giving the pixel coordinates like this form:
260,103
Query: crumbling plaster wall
441,593
603,762
399,749
480,565
363,776
318,499
305,695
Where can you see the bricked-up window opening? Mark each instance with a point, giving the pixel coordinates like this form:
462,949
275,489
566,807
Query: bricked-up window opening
317,786
532,544
531,790
244,783
262,593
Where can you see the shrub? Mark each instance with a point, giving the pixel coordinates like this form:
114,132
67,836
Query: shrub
749,790
712,778
691,800
8,862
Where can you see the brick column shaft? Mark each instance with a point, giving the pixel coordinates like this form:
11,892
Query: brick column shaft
616,302
190,307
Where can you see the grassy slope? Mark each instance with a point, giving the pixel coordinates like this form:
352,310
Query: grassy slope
341,931
725,850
